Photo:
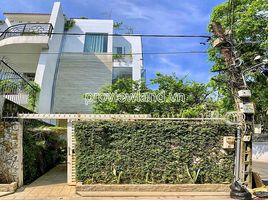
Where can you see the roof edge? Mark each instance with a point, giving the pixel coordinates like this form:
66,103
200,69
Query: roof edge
13,13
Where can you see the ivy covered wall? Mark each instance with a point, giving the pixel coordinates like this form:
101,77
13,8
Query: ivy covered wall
152,152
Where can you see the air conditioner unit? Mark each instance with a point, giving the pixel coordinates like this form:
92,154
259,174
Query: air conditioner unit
247,108
244,93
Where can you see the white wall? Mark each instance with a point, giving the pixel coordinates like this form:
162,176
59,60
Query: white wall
132,45
3,27
79,74
75,43
48,62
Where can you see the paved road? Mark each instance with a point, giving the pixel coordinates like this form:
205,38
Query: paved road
52,186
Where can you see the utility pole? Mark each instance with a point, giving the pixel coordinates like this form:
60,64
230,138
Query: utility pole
242,101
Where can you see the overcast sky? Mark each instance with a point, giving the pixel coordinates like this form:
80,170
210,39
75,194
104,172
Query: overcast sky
146,17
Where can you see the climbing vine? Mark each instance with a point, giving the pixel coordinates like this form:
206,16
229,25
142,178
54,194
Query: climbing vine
13,87
33,92
143,152
68,24
43,148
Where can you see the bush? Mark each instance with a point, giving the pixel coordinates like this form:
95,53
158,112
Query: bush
142,152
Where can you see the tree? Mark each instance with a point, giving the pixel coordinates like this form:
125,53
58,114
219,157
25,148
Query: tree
198,98
248,22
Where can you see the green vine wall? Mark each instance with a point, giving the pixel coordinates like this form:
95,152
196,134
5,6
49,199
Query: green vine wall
152,152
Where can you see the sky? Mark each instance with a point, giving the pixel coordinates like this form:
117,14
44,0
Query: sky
177,17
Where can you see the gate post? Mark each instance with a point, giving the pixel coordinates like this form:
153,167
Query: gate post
70,153
20,153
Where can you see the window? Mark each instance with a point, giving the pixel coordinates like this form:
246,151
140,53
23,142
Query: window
121,73
118,50
143,74
96,43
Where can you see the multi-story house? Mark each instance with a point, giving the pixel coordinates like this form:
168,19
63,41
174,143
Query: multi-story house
68,61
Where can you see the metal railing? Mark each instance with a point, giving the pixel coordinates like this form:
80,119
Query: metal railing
27,29
13,85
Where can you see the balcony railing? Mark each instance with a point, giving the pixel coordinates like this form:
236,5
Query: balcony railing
28,29
13,84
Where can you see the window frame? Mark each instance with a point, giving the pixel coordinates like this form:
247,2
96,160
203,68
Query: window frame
105,47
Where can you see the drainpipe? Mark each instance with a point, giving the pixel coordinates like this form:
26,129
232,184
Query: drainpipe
237,154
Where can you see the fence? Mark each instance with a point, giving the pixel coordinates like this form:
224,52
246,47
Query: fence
13,85
74,120
28,29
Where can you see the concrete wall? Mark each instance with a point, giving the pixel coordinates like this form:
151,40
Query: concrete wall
3,27
79,74
75,43
48,62
23,63
130,45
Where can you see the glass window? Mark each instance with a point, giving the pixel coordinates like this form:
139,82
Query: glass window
118,50
96,43
121,73
143,74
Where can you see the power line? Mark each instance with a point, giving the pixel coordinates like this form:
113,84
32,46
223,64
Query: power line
121,35
92,54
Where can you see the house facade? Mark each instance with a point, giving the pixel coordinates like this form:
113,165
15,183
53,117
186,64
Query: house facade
68,62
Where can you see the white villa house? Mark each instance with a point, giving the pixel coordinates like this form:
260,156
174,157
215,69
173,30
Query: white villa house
65,66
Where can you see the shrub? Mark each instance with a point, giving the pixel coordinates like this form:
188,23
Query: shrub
42,150
140,152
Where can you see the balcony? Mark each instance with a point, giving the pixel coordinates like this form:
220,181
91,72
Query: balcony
122,60
35,34
28,29
23,43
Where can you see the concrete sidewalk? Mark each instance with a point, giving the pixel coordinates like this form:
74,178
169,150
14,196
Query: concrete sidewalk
53,185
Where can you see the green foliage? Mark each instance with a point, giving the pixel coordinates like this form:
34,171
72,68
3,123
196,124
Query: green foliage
142,152
117,56
32,33
33,92
42,150
250,28
194,175
120,26
117,25
8,86
198,98
12,87
68,24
